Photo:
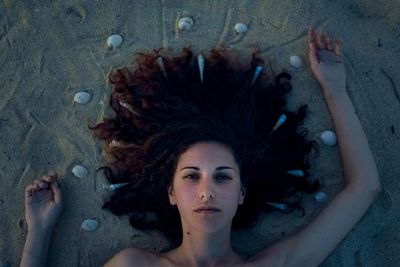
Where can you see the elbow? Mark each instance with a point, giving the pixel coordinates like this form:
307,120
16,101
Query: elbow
375,190
372,189
378,188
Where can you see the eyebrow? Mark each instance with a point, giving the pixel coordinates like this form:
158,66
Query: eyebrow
217,169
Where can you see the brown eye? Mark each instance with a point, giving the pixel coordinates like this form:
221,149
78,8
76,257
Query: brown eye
222,177
191,177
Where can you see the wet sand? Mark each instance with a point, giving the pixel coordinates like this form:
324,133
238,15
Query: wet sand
49,51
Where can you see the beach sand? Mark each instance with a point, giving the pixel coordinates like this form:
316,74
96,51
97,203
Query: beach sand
49,51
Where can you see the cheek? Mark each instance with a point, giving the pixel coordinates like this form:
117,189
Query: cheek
185,194
230,197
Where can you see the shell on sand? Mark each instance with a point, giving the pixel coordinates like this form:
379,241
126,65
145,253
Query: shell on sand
114,41
240,28
328,138
185,23
321,197
89,225
82,97
296,62
80,171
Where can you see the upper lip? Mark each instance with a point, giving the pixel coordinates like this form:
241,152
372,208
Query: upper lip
204,208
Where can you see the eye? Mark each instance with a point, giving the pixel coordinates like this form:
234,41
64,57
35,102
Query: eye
222,177
191,177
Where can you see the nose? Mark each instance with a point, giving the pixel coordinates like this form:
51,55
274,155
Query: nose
206,190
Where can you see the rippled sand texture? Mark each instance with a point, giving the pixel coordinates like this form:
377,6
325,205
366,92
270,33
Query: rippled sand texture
49,50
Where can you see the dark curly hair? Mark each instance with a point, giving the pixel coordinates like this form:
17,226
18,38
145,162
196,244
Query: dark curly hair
163,106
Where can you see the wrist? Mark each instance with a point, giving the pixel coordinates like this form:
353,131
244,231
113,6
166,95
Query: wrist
40,233
334,93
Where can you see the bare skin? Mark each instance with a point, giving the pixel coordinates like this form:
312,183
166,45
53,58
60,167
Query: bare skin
308,247
43,205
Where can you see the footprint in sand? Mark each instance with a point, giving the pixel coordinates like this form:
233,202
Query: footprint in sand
76,14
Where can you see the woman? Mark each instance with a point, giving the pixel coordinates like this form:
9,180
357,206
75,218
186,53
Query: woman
209,190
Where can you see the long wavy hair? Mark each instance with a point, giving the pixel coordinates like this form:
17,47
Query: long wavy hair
163,106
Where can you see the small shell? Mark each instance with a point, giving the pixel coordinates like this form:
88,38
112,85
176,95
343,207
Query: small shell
80,171
114,143
296,62
82,97
280,206
257,73
160,62
114,41
240,28
328,138
89,225
201,61
321,197
185,23
113,187
298,173
280,121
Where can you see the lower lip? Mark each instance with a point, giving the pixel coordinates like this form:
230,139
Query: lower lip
207,211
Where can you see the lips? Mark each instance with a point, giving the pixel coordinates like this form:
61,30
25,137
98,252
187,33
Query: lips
207,209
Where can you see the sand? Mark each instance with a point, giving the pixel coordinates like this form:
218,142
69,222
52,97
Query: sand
52,49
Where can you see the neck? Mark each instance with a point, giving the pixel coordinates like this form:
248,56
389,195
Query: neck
206,249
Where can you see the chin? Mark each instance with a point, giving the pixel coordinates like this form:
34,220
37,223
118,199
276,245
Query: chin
212,226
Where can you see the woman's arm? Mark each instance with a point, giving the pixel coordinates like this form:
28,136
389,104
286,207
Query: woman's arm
36,249
313,244
43,205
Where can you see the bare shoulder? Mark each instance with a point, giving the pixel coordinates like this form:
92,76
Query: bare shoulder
136,257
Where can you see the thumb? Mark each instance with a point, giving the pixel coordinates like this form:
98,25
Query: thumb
57,192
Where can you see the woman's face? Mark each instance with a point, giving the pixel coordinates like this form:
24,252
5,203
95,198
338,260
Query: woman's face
206,187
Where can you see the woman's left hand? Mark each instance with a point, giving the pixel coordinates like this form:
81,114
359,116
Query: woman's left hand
326,60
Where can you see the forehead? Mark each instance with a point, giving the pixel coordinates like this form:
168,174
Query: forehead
207,153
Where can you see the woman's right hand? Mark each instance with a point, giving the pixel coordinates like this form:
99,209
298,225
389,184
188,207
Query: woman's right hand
326,61
43,203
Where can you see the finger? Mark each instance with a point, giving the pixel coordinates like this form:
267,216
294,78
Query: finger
29,191
52,174
329,43
41,184
48,178
36,188
311,34
312,45
338,46
57,193
321,40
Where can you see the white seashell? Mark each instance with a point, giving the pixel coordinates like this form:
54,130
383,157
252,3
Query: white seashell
201,61
299,173
185,23
280,121
80,171
280,206
257,73
112,187
89,225
296,62
240,28
82,97
160,62
114,143
328,138
114,41
321,197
